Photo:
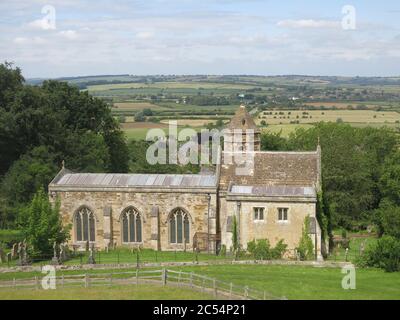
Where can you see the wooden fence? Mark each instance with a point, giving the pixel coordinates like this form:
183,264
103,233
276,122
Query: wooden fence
219,289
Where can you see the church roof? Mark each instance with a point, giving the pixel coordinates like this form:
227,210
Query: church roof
274,191
273,168
134,180
242,120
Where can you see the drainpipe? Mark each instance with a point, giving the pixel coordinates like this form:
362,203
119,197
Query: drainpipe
208,223
239,204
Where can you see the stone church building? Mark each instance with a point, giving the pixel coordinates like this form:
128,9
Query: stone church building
195,211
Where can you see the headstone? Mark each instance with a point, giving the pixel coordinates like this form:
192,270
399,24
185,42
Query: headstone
14,251
9,257
23,258
63,253
91,259
55,259
20,254
362,248
2,256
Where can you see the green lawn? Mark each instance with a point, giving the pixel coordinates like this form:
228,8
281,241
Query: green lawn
132,292
292,282
297,282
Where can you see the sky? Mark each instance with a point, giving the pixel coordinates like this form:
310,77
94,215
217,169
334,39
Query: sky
260,37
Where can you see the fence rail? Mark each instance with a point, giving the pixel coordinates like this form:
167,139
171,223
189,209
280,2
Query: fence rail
218,288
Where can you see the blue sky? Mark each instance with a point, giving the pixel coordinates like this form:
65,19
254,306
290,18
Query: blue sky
200,37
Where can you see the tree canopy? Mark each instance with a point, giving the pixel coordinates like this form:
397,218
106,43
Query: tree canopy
40,126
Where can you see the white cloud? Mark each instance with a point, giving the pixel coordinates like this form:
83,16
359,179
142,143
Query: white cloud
145,35
69,34
309,23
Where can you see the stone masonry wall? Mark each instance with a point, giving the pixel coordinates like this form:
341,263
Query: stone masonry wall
108,206
269,228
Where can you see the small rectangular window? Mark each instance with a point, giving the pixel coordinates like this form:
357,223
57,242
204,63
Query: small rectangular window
258,213
283,214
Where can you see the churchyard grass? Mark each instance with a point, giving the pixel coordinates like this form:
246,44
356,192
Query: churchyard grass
292,282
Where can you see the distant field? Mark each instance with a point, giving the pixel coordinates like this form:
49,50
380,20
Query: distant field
312,116
285,129
128,106
341,105
192,122
169,85
138,130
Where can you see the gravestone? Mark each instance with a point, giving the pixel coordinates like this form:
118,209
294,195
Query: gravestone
2,256
87,247
9,257
23,258
20,254
63,253
91,259
55,259
14,251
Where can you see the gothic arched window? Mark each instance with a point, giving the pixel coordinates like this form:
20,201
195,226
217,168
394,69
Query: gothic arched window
131,225
84,221
179,227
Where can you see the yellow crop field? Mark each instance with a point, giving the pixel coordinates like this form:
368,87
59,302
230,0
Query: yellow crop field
312,116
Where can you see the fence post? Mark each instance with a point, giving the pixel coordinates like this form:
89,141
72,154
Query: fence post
137,259
156,255
36,283
230,290
99,257
164,276
80,259
215,288
137,276
179,276
246,292
191,279
265,295
110,279
87,280
62,281
14,283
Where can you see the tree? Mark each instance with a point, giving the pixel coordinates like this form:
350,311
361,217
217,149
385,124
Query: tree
56,119
235,237
390,179
385,254
147,112
273,141
306,246
139,117
42,225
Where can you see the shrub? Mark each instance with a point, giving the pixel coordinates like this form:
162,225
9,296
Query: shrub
261,249
42,225
306,246
121,119
385,254
278,251
139,117
222,252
